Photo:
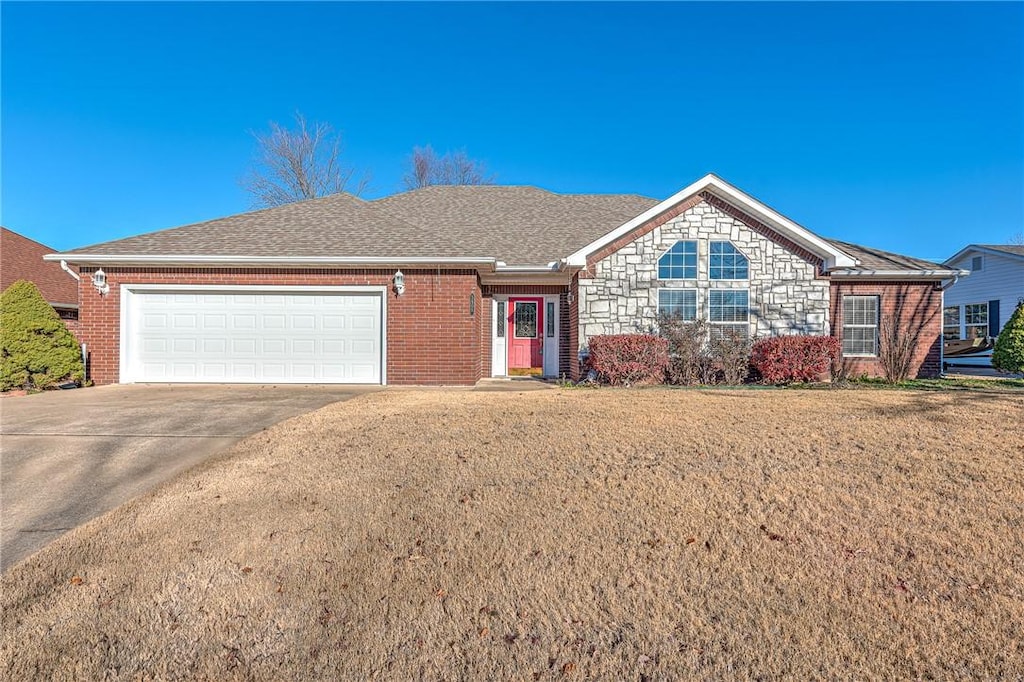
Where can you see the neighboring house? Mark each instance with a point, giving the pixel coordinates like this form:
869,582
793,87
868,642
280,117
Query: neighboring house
977,306
22,258
450,284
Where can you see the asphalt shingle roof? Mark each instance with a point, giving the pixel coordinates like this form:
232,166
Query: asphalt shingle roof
1015,249
22,258
518,225
876,259
336,225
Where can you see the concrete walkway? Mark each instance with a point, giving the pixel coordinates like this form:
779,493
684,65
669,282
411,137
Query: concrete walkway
69,456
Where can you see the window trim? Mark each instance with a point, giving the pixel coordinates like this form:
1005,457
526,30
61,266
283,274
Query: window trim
696,301
961,321
739,251
958,326
696,265
965,325
876,326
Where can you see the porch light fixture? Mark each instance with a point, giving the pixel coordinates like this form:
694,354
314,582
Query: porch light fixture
99,280
399,282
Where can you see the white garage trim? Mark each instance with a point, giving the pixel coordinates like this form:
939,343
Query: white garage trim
127,291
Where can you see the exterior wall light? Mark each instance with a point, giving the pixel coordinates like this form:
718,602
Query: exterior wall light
99,280
399,282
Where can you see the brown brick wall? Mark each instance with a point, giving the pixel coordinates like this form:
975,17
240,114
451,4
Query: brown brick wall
431,336
573,318
918,306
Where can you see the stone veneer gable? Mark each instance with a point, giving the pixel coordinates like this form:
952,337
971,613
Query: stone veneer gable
620,293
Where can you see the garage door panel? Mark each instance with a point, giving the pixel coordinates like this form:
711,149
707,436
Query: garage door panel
279,337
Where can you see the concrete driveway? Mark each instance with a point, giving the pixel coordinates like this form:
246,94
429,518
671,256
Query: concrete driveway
69,456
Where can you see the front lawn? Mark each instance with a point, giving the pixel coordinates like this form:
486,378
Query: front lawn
559,535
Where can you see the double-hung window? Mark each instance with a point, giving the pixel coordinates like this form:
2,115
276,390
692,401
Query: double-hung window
678,303
951,323
679,262
975,320
860,326
729,311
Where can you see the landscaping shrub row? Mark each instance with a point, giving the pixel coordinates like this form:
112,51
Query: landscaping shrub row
688,353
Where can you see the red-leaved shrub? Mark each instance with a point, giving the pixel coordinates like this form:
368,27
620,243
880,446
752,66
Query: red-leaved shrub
626,359
785,359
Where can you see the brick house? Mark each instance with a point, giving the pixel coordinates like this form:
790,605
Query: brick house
451,284
22,258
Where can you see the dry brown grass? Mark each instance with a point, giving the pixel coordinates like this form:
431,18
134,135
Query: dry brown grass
601,534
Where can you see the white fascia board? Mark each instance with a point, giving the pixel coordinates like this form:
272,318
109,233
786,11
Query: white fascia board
552,273
722,189
980,249
896,274
289,261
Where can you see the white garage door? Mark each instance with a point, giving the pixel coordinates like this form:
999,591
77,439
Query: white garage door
267,336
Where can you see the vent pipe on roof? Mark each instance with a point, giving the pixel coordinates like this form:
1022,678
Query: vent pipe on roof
65,268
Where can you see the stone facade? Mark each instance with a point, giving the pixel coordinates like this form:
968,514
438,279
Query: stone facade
787,295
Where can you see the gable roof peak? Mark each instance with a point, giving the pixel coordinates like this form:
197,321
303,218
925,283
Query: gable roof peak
832,255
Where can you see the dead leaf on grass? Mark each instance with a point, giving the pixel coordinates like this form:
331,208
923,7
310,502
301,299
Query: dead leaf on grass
76,580
247,569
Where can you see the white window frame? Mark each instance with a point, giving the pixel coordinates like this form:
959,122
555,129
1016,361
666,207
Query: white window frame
696,301
696,265
732,323
965,325
958,326
875,326
962,325
739,251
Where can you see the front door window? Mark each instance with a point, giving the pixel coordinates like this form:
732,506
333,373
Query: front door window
526,320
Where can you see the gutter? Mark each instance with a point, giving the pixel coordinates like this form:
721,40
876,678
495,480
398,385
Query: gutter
896,274
65,268
291,261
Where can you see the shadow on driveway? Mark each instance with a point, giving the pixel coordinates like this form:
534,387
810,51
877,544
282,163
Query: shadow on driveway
69,456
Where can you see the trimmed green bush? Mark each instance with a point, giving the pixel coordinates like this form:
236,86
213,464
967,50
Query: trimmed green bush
1008,354
36,349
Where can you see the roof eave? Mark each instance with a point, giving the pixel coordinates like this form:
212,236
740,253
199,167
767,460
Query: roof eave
981,249
204,260
832,256
936,274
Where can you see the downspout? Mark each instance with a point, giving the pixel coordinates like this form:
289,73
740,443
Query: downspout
65,268
942,343
82,347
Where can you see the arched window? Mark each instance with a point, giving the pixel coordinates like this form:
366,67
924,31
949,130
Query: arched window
679,262
726,262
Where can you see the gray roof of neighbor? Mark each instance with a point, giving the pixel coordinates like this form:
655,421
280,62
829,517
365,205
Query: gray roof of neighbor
1015,249
518,225
876,259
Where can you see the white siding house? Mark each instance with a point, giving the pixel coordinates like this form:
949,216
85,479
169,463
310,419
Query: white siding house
979,304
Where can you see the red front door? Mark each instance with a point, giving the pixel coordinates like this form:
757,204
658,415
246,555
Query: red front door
525,342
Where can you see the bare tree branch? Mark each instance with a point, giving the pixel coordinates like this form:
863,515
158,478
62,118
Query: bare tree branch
1017,239
301,163
426,168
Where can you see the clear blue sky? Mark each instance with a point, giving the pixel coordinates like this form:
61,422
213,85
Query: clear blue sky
899,126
